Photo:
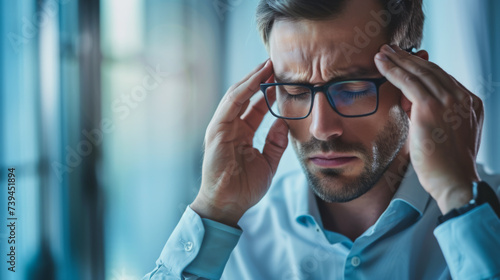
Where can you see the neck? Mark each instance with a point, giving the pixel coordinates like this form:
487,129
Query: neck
356,216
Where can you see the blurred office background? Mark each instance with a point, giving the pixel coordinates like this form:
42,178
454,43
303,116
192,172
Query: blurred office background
104,106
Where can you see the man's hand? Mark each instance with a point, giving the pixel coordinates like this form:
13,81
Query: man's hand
235,175
446,122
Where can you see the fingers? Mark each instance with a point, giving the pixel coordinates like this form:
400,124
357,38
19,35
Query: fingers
435,77
257,68
259,107
422,73
276,142
407,82
243,108
233,101
255,113
476,102
432,76
477,109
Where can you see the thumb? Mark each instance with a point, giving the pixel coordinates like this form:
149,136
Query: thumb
276,142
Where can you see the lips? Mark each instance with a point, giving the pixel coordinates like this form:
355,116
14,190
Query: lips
332,160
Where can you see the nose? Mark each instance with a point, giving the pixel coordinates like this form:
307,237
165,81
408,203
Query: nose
326,123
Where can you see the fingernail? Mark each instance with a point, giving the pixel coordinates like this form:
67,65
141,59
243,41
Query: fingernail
381,56
388,48
267,63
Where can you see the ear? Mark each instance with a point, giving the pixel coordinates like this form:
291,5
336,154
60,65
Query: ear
406,105
423,54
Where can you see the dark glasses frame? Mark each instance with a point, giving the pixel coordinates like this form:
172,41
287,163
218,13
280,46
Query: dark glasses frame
314,89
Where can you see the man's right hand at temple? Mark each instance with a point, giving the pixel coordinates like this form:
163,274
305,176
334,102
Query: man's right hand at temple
235,175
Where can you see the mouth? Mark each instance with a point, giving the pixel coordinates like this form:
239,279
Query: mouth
332,160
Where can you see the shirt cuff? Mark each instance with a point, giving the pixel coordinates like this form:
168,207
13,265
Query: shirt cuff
218,243
181,248
471,244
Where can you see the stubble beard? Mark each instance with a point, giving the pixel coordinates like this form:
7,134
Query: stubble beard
330,185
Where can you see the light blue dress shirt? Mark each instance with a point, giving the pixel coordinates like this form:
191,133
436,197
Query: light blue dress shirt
282,237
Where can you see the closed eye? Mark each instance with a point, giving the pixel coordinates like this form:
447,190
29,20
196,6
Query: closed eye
354,94
295,92
298,96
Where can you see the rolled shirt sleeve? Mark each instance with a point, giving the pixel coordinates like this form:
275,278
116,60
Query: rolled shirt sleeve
471,244
197,248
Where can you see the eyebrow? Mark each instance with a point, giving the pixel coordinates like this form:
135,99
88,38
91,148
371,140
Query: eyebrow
353,73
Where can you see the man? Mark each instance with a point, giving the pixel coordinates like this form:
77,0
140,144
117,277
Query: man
387,142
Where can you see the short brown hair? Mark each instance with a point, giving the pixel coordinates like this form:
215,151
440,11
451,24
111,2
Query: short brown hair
405,27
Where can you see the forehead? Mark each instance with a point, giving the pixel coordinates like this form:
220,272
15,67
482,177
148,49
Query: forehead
318,51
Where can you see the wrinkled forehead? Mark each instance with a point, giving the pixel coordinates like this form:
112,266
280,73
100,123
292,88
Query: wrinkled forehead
315,51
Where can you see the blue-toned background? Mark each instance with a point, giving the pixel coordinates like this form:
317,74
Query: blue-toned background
104,106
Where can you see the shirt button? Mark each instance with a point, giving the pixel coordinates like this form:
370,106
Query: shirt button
355,261
188,246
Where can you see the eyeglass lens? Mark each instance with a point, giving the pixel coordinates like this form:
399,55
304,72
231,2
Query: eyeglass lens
349,98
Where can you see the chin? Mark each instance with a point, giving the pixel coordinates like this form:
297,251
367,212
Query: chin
341,184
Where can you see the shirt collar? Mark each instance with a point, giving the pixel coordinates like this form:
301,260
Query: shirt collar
410,191
306,206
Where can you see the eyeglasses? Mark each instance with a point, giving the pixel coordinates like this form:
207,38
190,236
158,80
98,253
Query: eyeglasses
349,98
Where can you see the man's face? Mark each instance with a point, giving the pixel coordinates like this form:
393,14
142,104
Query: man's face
343,157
